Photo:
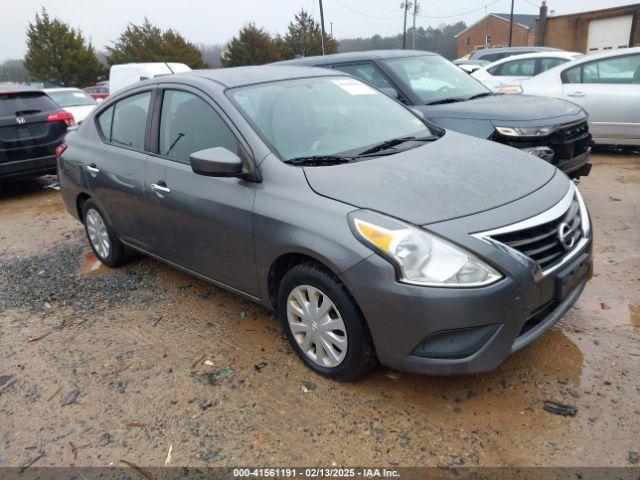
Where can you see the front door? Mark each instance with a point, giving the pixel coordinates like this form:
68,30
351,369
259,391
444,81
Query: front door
203,223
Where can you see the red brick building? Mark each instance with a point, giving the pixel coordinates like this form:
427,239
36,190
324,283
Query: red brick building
592,31
493,31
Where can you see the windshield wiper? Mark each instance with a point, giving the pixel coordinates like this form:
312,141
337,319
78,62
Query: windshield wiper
447,100
480,95
319,160
394,142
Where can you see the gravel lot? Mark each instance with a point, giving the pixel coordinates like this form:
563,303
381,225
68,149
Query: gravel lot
99,366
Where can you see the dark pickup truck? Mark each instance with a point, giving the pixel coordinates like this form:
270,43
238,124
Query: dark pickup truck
32,126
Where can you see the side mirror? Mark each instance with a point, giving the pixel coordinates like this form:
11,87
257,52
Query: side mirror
389,92
216,162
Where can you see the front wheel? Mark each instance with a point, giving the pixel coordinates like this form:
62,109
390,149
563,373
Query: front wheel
103,242
323,324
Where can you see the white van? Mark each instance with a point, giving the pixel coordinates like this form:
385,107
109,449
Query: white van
125,74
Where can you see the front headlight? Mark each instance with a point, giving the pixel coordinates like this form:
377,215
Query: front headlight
525,131
420,258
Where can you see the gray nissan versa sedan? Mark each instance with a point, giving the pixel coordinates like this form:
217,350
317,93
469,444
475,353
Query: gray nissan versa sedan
374,234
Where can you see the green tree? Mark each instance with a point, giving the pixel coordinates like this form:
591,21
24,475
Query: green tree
304,37
252,46
148,43
58,53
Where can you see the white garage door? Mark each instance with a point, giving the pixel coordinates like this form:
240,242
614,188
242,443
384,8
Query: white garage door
609,33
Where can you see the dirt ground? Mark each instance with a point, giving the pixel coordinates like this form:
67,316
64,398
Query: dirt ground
101,365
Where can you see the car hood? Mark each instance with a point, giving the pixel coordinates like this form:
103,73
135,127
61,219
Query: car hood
504,107
455,176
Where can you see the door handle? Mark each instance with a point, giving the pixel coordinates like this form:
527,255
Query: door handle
577,94
92,169
160,189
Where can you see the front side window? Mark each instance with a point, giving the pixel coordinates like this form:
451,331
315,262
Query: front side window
324,116
366,72
434,79
129,121
189,124
613,70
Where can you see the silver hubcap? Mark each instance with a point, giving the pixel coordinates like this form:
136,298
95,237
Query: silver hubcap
317,326
98,235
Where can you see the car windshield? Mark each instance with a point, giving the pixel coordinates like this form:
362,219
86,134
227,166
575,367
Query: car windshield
325,116
434,79
71,98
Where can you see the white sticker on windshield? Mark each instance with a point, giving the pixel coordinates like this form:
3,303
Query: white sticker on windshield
354,87
78,94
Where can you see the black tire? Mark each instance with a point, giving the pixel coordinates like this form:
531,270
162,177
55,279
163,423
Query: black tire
360,356
118,253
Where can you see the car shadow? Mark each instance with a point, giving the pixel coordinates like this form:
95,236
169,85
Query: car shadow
15,188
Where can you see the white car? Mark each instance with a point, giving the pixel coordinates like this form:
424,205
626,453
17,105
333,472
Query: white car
125,74
513,70
73,100
606,85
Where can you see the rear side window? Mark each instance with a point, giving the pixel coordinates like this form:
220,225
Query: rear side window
104,122
189,124
125,122
16,104
366,72
519,68
572,75
547,63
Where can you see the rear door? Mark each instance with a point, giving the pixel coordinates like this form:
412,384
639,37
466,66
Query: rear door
115,167
200,223
27,129
609,90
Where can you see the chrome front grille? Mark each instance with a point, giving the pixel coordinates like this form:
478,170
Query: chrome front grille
542,243
549,239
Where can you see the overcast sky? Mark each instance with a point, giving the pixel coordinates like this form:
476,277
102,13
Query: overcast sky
216,21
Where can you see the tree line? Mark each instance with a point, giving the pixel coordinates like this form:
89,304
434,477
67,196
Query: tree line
59,53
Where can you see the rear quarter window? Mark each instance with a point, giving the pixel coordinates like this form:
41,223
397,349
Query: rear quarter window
15,104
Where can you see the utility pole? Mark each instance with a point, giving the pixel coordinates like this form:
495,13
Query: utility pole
322,26
415,12
405,5
331,28
511,24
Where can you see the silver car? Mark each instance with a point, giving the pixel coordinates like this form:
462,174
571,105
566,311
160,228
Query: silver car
606,85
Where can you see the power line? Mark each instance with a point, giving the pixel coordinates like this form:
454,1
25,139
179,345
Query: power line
366,14
460,14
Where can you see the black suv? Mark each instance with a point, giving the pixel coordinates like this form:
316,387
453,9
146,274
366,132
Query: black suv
32,126
549,128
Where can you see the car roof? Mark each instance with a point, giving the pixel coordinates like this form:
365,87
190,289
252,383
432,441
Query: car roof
16,87
487,51
241,76
610,53
524,56
354,57
62,89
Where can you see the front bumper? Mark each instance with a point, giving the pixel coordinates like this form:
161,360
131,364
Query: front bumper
31,167
401,316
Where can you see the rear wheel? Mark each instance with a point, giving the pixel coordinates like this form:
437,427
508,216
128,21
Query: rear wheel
103,242
323,324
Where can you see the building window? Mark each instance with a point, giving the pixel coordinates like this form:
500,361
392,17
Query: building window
467,42
487,40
